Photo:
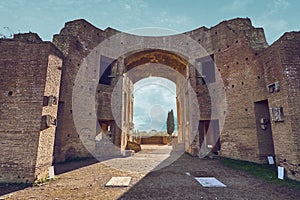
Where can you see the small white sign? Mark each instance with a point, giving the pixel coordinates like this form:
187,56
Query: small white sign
280,172
271,160
51,172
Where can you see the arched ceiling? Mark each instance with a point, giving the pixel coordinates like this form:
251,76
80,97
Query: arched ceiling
156,56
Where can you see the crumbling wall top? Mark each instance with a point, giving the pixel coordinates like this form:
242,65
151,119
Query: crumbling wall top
75,27
238,24
28,37
295,35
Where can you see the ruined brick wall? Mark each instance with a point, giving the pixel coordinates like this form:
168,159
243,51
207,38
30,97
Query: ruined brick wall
281,64
23,68
76,40
47,136
246,66
235,45
104,102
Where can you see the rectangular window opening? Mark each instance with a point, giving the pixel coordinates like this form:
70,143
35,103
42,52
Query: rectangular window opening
106,70
205,70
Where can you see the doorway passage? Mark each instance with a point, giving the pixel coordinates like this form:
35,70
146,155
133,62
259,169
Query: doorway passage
264,131
209,135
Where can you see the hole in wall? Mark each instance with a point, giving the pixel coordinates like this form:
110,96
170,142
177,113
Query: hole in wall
228,66
68,135
10,93
219,50
237,63
70,60
256,54
71,111
199,40
246,109
232,86
227,46
242,83
258,77
219,69
246,58
216,33
236,41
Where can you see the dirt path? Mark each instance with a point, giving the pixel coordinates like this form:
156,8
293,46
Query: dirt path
171,182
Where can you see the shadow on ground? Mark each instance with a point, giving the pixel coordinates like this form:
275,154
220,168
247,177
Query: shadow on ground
8,188
177,181
64,167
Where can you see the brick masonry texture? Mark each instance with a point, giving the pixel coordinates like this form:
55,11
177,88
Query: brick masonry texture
29,69
32,69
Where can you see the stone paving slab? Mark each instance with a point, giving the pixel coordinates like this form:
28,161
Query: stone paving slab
209,182
118,182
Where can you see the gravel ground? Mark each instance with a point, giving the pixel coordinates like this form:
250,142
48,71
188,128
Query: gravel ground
153,177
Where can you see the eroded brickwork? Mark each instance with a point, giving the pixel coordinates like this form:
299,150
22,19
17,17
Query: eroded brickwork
257,78
29,71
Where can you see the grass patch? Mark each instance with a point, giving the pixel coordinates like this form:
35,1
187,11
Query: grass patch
262,171
44,180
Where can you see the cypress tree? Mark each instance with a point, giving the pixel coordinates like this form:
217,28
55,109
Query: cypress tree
170,123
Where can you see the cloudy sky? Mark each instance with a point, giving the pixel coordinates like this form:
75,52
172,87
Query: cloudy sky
153,98
48,18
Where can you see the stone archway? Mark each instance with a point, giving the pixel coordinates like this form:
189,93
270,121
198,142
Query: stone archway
158,63
125,59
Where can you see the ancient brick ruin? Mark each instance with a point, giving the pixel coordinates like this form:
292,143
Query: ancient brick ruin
259,117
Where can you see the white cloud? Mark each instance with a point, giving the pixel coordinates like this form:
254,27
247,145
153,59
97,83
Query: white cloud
127,7
236,5
281,4
153,98
165,19
272,21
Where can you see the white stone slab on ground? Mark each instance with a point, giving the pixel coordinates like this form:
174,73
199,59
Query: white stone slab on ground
209,182
118,182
